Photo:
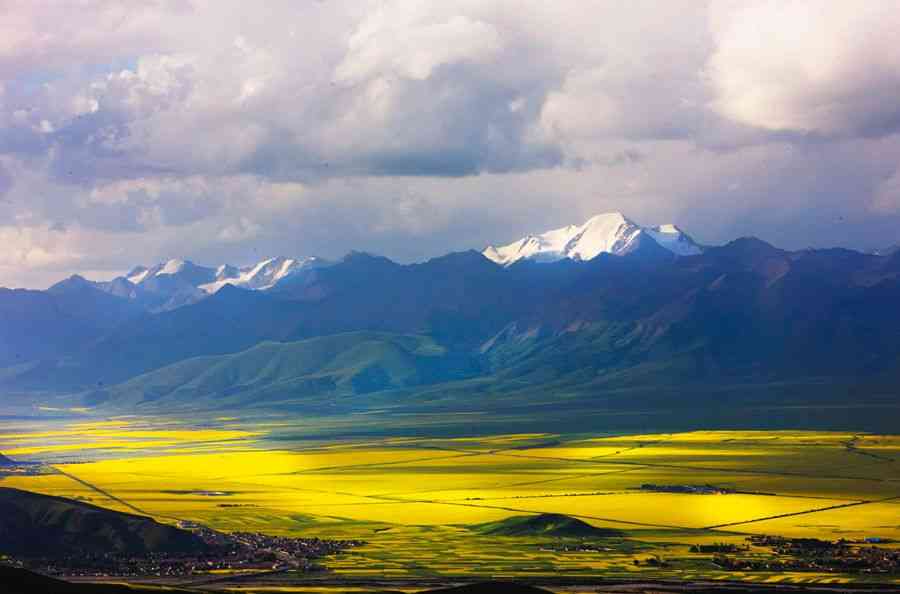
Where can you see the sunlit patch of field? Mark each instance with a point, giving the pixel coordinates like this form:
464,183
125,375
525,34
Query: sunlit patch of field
876,519
55,484
412,499
669,509
121,436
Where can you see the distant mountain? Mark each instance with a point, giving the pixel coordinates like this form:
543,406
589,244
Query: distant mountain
229,321
46,324
456,299
556,525
32,524
743,312
4,461
609,233
176,283
184,271
261,276
554,328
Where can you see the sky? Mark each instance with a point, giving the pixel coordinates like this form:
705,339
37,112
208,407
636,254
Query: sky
228,131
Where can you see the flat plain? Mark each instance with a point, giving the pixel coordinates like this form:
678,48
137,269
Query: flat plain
416,501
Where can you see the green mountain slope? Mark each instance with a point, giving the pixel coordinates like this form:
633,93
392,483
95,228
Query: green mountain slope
311,371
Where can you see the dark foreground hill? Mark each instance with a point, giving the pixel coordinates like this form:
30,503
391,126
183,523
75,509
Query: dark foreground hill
32,524
20,581
558,525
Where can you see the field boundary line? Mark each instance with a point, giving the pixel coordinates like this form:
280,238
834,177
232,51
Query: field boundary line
803,513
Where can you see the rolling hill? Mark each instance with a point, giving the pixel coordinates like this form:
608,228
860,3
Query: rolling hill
557,525
314,371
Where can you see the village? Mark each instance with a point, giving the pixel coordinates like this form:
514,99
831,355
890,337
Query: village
810,554
237,552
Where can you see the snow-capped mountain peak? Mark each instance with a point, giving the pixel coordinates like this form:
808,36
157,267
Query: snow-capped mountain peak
137,274
674,239
172,267
261,276
179,282
610,233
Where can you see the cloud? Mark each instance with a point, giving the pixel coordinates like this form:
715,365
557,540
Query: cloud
808,67
219,131
387,45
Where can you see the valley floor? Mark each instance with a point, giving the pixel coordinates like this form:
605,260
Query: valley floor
417,501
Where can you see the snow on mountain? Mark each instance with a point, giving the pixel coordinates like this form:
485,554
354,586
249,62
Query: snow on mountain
172,267
175,283
610,233
172,274
674,239
138,274
183,270
261,276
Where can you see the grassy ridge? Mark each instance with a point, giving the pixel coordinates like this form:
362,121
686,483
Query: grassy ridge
342,364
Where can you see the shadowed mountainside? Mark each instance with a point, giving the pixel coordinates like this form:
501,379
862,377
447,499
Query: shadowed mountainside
22,581
32,524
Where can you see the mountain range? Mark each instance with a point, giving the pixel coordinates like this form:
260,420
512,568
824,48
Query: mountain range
175,283
604,317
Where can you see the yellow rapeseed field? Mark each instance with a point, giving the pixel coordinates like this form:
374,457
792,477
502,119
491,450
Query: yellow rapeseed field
417,496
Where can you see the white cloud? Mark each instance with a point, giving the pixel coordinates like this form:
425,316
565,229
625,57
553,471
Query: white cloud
887,195
240,230
808,66
211,129
395,41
